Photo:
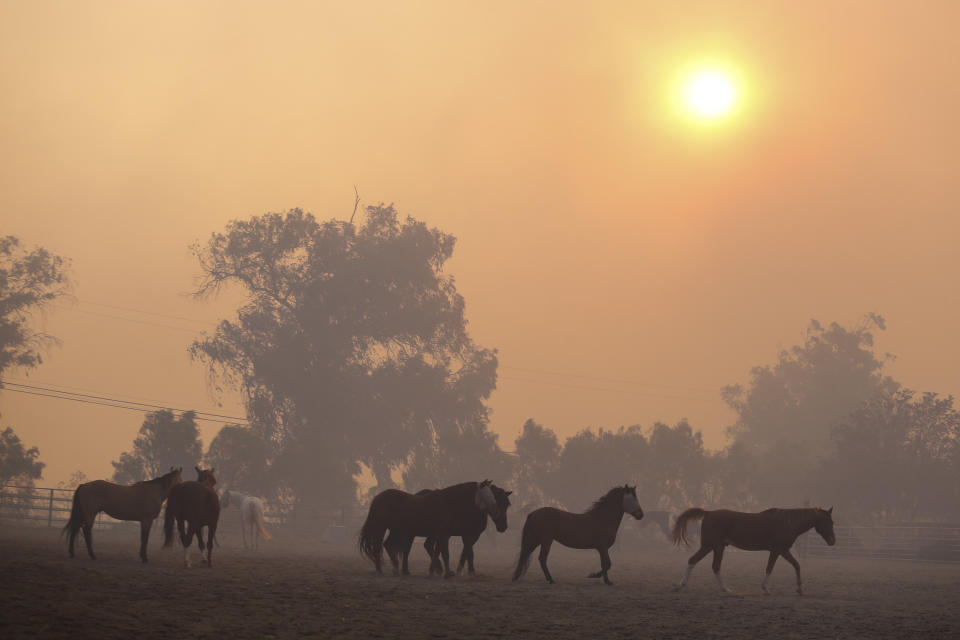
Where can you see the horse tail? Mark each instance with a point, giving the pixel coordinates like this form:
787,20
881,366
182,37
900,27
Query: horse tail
168,522
371,534
679,533
527,545
258,517
75,522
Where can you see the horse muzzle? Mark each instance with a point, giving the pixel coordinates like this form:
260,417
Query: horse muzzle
832,540
500,523
638,514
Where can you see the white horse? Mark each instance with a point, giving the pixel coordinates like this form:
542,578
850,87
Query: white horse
251,515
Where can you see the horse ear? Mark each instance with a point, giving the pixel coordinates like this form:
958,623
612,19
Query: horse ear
830,511
197,469
506,493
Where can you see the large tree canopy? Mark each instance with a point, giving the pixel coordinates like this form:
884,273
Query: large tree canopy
165,440
352,348
797,401
29,280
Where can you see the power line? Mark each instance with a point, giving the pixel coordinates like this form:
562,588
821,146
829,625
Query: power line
58,387
115,403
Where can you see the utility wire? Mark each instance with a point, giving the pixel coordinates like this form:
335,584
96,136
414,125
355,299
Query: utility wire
112,402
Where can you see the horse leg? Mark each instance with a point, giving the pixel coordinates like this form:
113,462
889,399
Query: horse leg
186,539
605,564
544,552
466,557
717,559
391,545
772,561
211,532
691,563
444,546
145,526
405,547
87,527
243,529
796,565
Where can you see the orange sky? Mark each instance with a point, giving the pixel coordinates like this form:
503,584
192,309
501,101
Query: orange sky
647,262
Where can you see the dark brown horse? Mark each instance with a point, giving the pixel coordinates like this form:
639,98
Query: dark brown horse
469,531
773,530
197,504
436,514
594,529
140,502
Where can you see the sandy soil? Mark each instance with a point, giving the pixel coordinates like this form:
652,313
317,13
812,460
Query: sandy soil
294,587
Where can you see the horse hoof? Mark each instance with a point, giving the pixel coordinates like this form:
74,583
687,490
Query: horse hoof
450,574
594,575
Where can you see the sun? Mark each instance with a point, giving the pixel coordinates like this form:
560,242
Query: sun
709,94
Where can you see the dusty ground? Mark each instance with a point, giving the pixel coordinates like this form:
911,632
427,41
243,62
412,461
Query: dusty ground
293,587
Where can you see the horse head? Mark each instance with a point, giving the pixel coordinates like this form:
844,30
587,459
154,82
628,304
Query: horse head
205,476
486,501
630,503
171,478
824,525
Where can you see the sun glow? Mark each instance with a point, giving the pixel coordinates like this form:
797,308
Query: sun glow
709,94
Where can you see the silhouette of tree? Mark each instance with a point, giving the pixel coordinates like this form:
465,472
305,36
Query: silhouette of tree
242,460
896,459
29,280
786,415
164,441
16,461
538,458
352,348
591,463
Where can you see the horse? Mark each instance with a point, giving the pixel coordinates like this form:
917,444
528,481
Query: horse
470,531
251,515
773,530
594,529
205,476
140,502
198,504
435,514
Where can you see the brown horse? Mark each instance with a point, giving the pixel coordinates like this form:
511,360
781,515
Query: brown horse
436,514
140,502
468,529
773,530
197,504
594,529
205,476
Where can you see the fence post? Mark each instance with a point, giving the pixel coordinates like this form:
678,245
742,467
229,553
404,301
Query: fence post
50,510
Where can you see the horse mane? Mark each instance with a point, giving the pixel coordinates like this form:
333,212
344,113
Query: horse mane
608,498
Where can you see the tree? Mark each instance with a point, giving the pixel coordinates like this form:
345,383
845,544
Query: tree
538,457
896,459
352,348
164,441
16,461
591,463
242,459
676,474
29,280
797,401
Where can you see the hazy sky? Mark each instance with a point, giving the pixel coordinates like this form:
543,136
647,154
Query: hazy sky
626,264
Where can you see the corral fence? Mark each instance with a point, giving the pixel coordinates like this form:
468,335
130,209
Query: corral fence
50,507
920,543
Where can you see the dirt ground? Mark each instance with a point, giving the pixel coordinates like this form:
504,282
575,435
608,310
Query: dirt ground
295,587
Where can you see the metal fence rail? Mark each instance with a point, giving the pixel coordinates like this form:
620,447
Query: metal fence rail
916,543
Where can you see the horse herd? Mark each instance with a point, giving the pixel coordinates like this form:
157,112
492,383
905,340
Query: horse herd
437,515
191,503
